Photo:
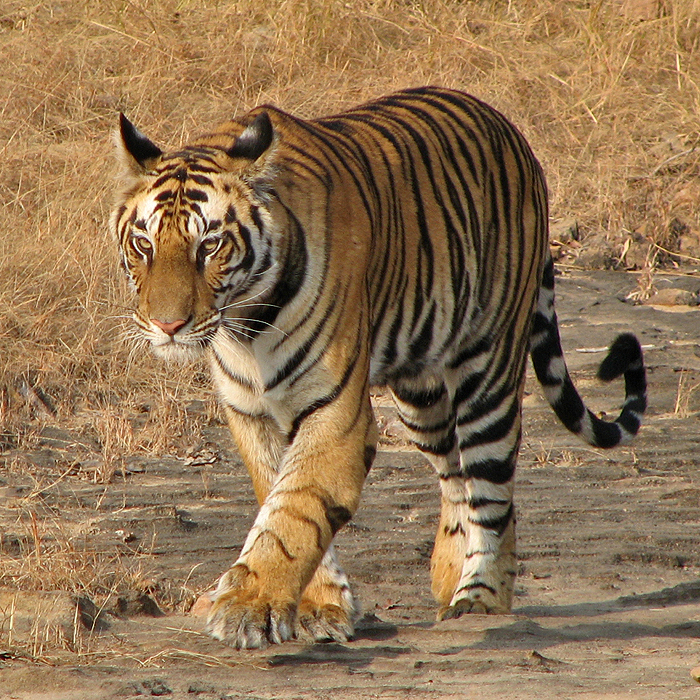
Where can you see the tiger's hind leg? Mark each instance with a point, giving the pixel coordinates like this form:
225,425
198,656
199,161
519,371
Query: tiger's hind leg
425,409
327,609
479,487
470,432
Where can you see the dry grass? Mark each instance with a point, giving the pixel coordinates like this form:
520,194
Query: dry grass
609,101
605,90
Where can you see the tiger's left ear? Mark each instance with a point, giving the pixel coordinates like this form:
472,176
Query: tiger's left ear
255,139
136,151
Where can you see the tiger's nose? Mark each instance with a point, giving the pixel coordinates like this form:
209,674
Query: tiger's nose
170,327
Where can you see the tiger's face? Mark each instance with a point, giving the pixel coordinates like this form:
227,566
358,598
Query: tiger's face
194,239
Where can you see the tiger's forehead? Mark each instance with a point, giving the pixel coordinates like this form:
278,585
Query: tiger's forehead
188,192
184,171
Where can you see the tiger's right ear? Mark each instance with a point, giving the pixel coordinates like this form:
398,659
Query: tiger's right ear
255,139
136,151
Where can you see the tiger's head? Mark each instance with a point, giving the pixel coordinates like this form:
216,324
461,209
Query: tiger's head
195,234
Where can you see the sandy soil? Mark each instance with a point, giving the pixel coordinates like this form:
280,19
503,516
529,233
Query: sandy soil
607,602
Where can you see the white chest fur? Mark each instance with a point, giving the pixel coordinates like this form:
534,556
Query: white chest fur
239,382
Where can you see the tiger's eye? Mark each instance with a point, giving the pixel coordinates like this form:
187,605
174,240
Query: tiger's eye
209,246
142,245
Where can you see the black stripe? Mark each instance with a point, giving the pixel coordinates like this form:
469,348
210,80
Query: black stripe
637,404
421,345
420,398
540,324
483,502
441,448
391,351
430,428
495,431
497,524
303,350
162,180
278,541
323,401
370,454
233,377
474,585
496,471
570,408
307,521
285,290
548,274
249,255
120,212
629,422
608,434
337,516
201,168
201,179
196,195
467,388
469,353
454,530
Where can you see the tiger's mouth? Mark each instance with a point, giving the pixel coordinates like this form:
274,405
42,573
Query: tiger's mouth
186,341
178,351
180,342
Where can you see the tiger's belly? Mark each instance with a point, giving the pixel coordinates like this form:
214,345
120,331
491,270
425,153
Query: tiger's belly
433,340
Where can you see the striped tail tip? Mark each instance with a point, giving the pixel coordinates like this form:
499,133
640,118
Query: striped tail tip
624,358
624,352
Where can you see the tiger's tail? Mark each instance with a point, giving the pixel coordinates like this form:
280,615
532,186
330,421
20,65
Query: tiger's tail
624,358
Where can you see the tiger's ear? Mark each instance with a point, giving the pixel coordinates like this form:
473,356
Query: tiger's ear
135,150
255,139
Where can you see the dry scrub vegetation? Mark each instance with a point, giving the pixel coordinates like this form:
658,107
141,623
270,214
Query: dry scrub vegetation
605,90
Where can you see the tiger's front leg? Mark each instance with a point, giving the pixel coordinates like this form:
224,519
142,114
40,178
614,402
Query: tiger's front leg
286,581
327,608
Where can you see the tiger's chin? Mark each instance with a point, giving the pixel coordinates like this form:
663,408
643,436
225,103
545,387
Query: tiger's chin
177,353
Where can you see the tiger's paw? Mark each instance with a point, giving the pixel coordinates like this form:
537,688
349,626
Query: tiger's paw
245,618
476,604
328,609
477,597
324,623
250,625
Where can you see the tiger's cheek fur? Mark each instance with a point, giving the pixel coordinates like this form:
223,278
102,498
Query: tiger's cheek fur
135,267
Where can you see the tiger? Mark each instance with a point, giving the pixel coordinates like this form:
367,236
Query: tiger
402,244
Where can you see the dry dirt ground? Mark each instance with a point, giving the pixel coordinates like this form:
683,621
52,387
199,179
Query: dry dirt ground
607,601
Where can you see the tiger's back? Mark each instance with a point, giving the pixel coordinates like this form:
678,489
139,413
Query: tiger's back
403,242
446,173
424,178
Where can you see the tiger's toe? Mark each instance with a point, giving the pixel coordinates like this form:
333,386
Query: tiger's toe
477,603
326,623
250,624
